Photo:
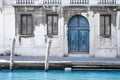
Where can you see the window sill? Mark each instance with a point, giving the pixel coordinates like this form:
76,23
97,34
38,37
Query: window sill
51,36
26,36
106,37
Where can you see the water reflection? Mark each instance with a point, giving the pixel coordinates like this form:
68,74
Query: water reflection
10,75
45,75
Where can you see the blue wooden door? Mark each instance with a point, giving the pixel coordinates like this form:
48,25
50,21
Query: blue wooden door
78,34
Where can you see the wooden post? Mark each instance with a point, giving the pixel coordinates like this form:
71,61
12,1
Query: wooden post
49,41
12,54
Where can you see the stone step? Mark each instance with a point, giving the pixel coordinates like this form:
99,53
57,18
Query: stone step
92,67
95,63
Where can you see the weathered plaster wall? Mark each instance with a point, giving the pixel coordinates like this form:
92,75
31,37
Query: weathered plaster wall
7,27
36,45
99,46
106,47
1,31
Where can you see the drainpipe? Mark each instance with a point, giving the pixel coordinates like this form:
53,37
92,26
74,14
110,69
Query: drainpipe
12,54
49,41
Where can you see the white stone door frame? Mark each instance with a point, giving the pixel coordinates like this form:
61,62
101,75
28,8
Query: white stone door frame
118,33
90,17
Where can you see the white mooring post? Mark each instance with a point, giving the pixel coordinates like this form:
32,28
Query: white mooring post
12,54
49,41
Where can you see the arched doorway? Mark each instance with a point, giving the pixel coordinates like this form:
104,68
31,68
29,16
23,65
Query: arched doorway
78,35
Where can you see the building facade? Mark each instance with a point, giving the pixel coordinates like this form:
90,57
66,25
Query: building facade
82,28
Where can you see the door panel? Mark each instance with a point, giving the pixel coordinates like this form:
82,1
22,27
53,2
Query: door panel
83,22
84,41
73,41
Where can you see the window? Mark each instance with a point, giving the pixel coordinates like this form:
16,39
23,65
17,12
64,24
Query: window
26,25
52,24
105,26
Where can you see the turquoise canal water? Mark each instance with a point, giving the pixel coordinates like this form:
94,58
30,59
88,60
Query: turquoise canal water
58,75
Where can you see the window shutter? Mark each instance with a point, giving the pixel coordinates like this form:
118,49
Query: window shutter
52,24
102,25
26,25
105,26
55,25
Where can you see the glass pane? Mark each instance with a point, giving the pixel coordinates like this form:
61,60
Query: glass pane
23,27
101,25
107,26
55,25
49,25
29,25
